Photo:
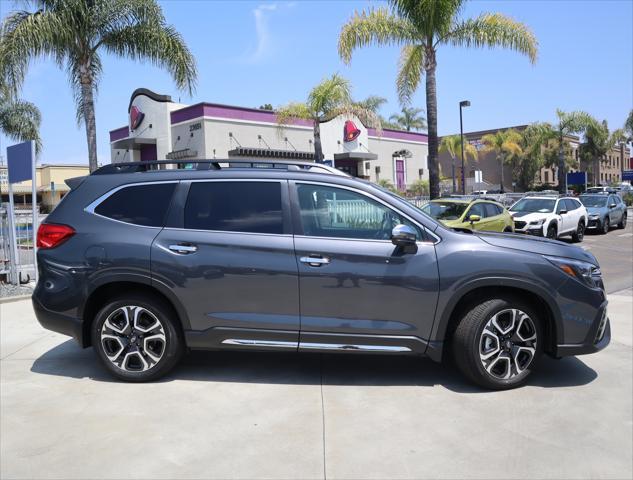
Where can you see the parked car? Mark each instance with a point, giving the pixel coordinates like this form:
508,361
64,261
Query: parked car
550,216
607,189
482,215
604,211
143,263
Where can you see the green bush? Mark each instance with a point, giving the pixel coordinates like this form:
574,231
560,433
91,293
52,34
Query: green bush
628,199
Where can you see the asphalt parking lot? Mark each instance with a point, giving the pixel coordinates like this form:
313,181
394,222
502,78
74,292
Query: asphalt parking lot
227,415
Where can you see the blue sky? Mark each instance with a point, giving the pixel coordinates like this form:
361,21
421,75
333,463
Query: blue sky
250,53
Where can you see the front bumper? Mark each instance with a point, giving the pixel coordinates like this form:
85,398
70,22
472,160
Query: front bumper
598,337
594,223
58,322
534,230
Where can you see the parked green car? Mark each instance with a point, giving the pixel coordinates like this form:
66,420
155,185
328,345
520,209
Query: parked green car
484,215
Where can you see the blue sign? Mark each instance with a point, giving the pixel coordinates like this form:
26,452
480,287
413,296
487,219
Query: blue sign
627,175
20,160
577,178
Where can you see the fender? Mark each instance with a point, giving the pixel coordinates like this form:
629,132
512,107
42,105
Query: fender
443,317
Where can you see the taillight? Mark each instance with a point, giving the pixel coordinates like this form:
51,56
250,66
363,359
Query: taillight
51,235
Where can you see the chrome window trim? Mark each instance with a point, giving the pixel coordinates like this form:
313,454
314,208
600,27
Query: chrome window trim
373,197
227,231
90,208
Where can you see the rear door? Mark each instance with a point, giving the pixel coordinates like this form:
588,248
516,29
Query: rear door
358,291
228,255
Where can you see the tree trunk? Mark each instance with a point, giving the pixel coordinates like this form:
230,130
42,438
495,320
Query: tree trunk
89,120
318,150
453,173
501,188
431,109
562,175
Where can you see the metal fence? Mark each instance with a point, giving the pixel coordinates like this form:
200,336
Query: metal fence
17,262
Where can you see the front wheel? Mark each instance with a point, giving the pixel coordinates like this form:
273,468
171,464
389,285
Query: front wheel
497,343
579,234
136,337
552,232
605,225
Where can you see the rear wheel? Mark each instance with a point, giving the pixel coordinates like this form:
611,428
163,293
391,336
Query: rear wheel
136,337
579,234
497,343
622,223
552,232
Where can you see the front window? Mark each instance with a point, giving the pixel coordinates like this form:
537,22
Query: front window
593,201
532,205
445,210
339,213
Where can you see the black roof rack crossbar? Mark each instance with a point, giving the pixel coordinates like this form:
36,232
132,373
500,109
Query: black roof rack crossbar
216,164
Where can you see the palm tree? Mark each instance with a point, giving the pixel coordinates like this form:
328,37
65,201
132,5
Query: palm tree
568,124
76,32
420,27
598,142
409,119
452,144
505,144
535,141
628,126
19,120
372,103
328,99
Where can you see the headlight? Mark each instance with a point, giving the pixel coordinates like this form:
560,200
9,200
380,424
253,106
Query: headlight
584,272
538,223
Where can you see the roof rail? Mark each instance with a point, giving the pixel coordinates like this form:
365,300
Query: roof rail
217,164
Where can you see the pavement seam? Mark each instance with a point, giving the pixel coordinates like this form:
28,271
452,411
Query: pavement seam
323,418
23,347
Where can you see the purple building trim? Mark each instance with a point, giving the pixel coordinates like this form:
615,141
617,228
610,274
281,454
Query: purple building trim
224,111
119,133
399,135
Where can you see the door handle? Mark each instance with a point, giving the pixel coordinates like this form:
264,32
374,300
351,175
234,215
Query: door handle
315,260
183,248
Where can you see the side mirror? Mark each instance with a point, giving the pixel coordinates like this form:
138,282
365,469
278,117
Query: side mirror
474,218
403,235
562,212
613,205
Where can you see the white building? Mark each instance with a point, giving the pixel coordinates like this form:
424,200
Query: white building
160,129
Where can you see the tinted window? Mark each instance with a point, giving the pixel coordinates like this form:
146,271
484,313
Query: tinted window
492,210
571,205
593,201
253,207
444,210
141,204
477,209
541,205
335,212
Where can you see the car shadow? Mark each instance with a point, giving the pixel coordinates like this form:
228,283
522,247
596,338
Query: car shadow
68,360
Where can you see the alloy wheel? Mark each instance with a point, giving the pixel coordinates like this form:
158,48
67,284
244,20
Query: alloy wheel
507,344
133,339
580,233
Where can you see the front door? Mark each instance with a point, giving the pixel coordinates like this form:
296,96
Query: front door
400,177
229,259
358,291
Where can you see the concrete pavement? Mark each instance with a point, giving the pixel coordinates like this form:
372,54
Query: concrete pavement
236,415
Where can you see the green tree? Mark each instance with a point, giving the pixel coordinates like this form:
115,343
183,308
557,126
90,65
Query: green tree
534,140
505,144
420,27
328,99
371,103
19,120
409,119
76,32
452,144
266,106
628,126
569,123
598,142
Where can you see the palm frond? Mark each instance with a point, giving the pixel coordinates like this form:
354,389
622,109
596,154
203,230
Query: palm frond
329,94
410,70
494,30
373,103
20,120
573,122
373,27
367,116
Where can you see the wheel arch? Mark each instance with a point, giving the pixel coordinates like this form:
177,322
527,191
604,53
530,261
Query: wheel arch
108,290
480,291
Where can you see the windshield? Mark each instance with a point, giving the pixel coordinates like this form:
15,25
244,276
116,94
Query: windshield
595,190
445,210
541,205
593,201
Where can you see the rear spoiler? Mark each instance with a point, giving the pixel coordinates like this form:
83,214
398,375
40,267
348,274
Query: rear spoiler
74,182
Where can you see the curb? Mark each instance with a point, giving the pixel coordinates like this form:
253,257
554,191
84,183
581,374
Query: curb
15,298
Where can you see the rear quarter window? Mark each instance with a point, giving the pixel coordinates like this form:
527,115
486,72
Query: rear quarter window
144,205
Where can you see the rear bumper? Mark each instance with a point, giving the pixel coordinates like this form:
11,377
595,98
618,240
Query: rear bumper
58,322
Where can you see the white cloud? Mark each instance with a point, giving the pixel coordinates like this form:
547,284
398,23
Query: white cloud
265,43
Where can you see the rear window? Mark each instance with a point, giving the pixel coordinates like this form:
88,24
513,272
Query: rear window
251,207
493,210
140,204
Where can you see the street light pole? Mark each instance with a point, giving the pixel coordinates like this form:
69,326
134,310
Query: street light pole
462,104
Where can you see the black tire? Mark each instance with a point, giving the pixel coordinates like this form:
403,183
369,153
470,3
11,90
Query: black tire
579,234
605,226
508,230
552,232
168,334
622,223
468,338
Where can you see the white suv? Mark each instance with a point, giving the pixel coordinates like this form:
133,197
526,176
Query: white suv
550,217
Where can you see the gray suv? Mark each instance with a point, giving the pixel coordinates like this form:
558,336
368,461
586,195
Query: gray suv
144,262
